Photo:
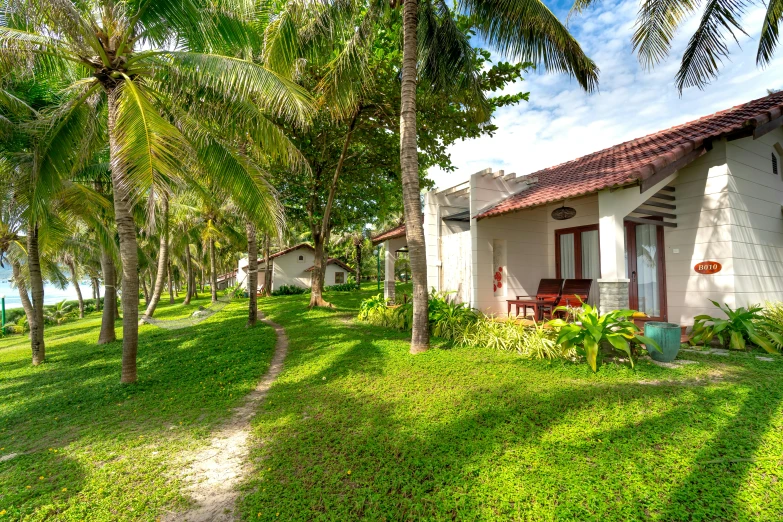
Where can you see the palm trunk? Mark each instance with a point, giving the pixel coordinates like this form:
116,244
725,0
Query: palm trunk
212,271
97,286
268,268
144,289
163,262
359,265
321,237
252,275
108,333
189,270
126,230
75,283
171,288
37,293
409,164
29,312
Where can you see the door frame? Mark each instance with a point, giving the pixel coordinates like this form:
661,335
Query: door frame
633,286
577,231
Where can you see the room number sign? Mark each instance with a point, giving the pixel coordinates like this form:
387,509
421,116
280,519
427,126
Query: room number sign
708,267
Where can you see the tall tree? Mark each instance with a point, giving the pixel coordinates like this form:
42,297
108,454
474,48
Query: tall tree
164,270
442,59
164,106
252,274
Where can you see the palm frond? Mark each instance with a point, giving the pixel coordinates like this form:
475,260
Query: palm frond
447,57
149,149
527,30
231,78
656,25
770,32
707,47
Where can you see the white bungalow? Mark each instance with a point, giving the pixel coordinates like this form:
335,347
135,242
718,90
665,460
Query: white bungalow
662,224
294,266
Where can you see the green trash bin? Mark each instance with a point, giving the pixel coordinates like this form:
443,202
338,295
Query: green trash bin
667,335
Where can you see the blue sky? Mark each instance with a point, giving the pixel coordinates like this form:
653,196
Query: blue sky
560,122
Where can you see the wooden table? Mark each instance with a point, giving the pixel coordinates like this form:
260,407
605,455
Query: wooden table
537,305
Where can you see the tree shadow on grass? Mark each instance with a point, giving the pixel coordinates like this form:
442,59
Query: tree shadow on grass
189,380
431,439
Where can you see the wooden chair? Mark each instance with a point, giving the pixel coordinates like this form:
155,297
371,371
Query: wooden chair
545,300
575,290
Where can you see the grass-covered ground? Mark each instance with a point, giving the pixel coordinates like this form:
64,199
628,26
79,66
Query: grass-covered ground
91,449
356,428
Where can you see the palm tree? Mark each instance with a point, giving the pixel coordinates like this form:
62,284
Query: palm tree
658,22
164,268
524,29
164,106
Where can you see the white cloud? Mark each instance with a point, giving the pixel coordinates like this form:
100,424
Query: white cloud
561,122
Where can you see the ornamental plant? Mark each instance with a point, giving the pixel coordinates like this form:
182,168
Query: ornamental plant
591,331
735,330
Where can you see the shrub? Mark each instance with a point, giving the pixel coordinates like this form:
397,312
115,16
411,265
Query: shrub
342,287
592,331
235,291
291,290
459,323
733,332
448,319
771,326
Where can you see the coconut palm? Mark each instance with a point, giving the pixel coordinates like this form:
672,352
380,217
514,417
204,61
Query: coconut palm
436,51
659,20
167,93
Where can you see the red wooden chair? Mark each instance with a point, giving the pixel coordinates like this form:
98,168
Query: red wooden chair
546,298
575,292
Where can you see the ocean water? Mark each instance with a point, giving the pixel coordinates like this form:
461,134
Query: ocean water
52,294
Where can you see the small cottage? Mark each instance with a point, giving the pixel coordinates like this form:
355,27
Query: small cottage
294,266
661,224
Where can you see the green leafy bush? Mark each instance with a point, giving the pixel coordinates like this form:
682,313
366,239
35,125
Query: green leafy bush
448,319
291,290
235,291
532,342
343,287
58,313
591,332
464,326
734,332
771,326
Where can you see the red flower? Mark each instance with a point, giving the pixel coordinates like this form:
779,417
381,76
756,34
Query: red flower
494,288
500,269
498,276
500,285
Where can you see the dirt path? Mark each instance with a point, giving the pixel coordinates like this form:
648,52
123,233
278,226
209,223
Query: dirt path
216,471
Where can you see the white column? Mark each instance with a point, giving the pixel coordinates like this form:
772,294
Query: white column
612,209
390,258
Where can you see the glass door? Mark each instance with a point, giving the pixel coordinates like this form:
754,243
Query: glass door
644,254
577,256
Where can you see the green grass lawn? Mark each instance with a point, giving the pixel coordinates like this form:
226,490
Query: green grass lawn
91,449
355,428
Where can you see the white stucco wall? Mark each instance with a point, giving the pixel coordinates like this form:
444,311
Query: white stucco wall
331,271
729,211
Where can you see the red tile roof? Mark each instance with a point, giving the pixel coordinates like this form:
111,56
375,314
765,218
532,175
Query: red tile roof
639,159
398,231
287,250
333,261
